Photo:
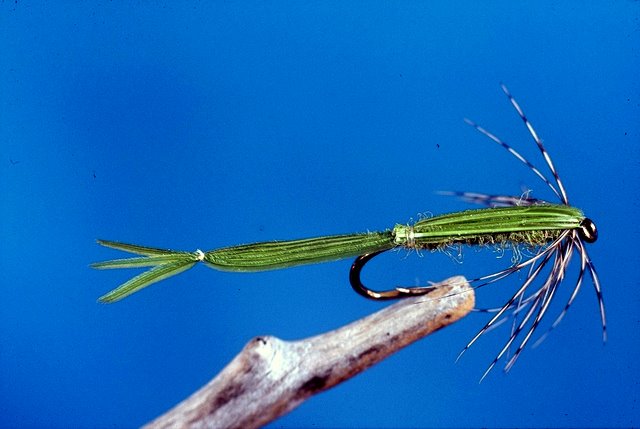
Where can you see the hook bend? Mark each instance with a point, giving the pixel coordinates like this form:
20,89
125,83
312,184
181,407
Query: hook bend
396,293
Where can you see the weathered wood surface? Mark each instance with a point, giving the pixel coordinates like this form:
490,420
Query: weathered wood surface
270,377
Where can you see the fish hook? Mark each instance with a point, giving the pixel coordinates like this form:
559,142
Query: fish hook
398,292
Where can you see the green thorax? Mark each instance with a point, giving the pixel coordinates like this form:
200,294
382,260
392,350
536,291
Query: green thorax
533,225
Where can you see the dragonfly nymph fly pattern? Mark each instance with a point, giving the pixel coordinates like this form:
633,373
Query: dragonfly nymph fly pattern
552,232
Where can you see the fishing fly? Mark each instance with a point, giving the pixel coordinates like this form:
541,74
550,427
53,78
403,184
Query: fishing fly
553,232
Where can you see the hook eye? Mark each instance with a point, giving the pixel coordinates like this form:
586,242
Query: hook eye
398,292
588,231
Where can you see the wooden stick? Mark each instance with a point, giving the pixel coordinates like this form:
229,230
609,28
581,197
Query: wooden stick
270,377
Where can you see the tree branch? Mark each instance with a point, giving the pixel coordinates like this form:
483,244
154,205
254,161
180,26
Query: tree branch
270,377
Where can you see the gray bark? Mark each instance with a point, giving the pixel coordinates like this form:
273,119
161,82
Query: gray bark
270,377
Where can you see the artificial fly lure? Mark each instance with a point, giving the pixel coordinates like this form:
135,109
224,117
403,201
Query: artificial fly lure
552,231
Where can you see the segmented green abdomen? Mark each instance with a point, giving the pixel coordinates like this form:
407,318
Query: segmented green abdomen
533,225
282,254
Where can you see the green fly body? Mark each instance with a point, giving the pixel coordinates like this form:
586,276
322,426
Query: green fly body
554,230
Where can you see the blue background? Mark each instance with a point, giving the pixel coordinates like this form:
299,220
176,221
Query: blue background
202,124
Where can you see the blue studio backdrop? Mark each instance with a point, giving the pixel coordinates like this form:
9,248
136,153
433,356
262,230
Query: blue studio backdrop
192,125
